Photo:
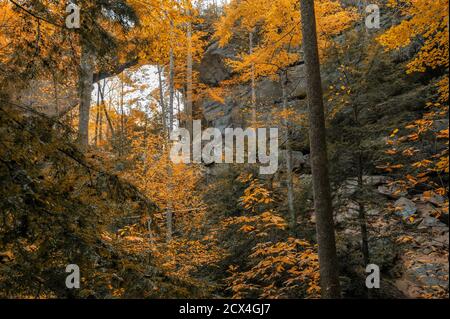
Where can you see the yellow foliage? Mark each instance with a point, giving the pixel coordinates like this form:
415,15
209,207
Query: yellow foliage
427,19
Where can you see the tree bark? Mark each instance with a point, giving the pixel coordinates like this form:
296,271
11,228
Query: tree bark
108,119
86,74
189,79
122,116
161,98
171,80
253,85
289,176
329,273
97,119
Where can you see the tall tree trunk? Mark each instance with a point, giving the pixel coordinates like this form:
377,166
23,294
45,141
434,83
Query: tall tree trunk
166,129
253,84
329,273
122,115
108,119
171,107
86,76
171,80
289,177
100,124
189,79
178,109
97,118
161,99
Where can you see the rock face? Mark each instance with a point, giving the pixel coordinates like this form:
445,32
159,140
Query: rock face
298,160
213,70
391,191
406,239
220,115
407,236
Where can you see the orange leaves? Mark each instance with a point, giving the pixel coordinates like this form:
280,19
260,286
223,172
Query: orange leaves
425,130
255,200
273,220
404,239
441,191
163,29
390,167
417,180
410,151
413,137
133,239
276,26
254,195
442,165
216,94
106,237
411,179
423,163
259,225
279,270
6,256
429,19
443,134
443,87
391,152
247,228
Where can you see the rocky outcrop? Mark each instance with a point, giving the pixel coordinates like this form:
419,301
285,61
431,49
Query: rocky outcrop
213,68
408,231
213,71
408,239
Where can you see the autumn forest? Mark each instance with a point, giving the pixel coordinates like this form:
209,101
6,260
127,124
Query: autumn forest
224,149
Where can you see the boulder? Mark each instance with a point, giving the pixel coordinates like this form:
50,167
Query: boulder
425,209
376,180
392,191
213,68
405,208
433,198
429,221
267,90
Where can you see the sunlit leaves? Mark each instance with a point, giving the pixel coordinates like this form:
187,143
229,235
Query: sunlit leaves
279,270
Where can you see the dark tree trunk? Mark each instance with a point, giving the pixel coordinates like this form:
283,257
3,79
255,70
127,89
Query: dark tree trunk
86,75
329,273
108,119
97,119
